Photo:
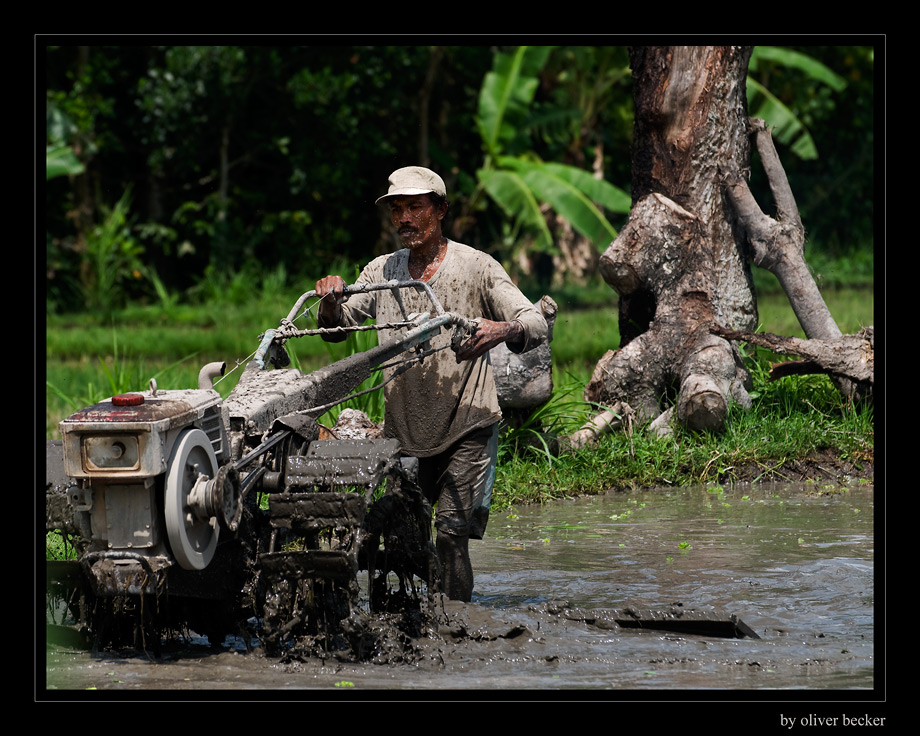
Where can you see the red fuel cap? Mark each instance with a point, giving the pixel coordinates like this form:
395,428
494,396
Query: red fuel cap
128,399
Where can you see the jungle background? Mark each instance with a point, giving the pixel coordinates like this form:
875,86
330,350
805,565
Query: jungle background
203,162
192,193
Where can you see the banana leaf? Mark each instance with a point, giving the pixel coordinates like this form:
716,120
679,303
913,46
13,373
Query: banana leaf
517,201
506,94
787,128
521,185
61,161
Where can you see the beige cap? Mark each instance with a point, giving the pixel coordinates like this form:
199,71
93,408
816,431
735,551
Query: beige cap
412,180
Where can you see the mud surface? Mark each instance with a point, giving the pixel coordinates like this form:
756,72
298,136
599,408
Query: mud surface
795,562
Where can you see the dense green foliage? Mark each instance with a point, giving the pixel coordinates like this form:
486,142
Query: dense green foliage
178,171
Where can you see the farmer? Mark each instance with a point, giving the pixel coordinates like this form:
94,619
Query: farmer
444,409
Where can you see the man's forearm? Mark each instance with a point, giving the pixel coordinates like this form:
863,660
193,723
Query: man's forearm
516,337
488,334
329,313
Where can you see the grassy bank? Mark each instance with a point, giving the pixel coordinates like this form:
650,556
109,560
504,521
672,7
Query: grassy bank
88,360
791,421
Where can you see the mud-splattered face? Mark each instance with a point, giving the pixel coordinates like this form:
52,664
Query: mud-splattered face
417,220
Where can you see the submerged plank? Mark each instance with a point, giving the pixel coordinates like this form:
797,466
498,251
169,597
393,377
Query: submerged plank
674,619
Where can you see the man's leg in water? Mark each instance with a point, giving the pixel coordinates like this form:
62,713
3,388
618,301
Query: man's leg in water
459,481
456,568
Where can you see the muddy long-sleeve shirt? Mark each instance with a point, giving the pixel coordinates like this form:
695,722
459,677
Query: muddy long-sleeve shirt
438,401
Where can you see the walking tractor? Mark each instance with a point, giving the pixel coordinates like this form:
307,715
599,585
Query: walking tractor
187,510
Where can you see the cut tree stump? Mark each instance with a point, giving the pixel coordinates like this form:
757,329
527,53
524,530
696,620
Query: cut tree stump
676,265
665,249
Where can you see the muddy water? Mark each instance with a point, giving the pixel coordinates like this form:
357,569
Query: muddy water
794,563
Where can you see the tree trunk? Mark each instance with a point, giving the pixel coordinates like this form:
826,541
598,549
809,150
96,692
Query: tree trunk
677,264
691,120
434,61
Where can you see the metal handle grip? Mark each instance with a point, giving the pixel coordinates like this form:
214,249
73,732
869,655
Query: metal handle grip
363,288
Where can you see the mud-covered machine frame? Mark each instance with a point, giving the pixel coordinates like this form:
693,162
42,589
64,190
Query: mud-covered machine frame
163,487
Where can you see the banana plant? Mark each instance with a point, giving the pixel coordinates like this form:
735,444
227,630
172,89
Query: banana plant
524,186
516,179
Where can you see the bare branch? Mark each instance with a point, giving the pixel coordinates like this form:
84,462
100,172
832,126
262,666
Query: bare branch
848,357
786,209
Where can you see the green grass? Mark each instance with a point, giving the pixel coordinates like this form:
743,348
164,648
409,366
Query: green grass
89,360
791,419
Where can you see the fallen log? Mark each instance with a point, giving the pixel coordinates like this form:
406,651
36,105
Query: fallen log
848,357
605,422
